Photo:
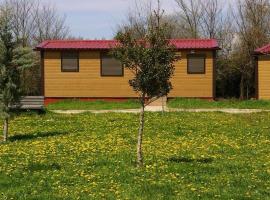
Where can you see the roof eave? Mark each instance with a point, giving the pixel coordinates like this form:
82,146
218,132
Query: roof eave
60,49
37,49
258,53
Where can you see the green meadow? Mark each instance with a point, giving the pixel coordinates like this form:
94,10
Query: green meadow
92,156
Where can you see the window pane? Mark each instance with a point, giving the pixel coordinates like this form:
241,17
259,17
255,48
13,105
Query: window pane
196,64
70,61
110,66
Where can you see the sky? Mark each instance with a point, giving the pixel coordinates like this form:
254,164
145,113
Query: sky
96,19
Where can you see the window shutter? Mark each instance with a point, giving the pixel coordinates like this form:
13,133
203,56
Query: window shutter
196,64
110,66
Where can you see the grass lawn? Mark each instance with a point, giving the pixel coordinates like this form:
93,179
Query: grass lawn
92,105
232,103
88,156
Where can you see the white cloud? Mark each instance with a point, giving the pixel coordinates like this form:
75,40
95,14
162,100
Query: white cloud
93,18
89,5
100,5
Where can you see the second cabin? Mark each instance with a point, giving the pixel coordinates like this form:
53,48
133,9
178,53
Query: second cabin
262,74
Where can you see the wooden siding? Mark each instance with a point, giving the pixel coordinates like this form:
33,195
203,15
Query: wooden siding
88,82
193,85
264,77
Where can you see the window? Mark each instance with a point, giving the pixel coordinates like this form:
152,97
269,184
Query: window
196,64
110,66
70,62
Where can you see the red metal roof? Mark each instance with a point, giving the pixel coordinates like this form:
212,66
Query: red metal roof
263,50
108,44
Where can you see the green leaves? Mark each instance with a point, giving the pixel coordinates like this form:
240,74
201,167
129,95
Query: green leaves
150,59
27,62
9,73
24,58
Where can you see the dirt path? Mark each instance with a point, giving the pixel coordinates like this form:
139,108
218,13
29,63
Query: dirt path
159,109
224,110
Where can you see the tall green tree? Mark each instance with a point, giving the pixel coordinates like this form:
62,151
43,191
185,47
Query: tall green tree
151,60
28,62
9,75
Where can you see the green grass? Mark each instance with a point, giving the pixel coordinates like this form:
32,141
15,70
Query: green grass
174,103
92,105
232,103
88,156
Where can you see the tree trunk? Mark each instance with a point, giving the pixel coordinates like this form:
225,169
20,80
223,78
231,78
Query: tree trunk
5,130
140,136
242,88
163,107
247,92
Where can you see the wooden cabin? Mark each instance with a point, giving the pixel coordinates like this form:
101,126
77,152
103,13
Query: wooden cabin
262,69
84,69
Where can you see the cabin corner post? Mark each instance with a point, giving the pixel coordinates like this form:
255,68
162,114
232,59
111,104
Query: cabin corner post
42,79
214,73
256,61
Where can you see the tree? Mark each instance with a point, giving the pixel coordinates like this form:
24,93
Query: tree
28,62
191,13
50,25
151,60
212,18
23,18
137,19
252,18
9,75
33,22
140,16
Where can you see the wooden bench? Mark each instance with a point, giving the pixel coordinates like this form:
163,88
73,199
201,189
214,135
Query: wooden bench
32,103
